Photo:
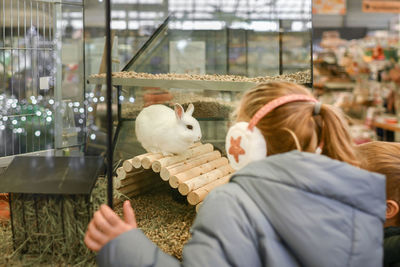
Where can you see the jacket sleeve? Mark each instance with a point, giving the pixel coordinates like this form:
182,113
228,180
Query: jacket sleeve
221,236
133,248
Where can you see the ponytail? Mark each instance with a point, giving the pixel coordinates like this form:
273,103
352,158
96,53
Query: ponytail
337,142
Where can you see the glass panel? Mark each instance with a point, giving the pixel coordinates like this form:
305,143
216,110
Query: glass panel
263,54
95,63
245,49
296,52
73,109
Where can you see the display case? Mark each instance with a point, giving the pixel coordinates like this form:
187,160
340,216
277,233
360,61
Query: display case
207,68
43,116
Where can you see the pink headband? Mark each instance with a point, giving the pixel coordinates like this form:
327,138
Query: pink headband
276,103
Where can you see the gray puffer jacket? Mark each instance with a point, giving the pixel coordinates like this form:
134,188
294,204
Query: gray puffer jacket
291,209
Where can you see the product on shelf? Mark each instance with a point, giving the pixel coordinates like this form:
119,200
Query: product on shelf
362,134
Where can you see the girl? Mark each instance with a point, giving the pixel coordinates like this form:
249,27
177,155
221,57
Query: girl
289,207
384,158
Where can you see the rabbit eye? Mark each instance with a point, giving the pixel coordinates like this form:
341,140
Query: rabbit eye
190,127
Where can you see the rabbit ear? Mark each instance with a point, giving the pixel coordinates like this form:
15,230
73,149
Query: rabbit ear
190,109
178,111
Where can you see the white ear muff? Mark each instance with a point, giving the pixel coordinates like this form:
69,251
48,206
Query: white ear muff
244,145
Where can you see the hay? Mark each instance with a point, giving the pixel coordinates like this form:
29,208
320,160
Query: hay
50,229
163,218
6,246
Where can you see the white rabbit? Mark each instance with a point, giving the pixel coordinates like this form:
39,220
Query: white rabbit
162,129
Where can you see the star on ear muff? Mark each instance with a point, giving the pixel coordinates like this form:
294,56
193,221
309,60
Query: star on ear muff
244,141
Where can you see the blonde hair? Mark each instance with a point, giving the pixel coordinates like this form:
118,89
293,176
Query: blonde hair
294,126
384,158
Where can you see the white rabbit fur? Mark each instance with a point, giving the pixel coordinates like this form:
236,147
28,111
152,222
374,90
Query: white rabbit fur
162,129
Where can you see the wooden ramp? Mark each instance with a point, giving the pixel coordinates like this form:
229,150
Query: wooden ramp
194,173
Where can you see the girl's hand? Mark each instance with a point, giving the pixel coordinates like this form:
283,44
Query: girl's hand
107,225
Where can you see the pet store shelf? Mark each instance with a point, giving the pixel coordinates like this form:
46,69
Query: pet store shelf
387,126
186,84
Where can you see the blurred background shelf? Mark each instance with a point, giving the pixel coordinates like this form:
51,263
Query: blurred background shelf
339,86
395,127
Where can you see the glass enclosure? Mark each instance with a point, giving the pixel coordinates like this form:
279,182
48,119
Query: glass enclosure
51,50
207,60
244,51
41,76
